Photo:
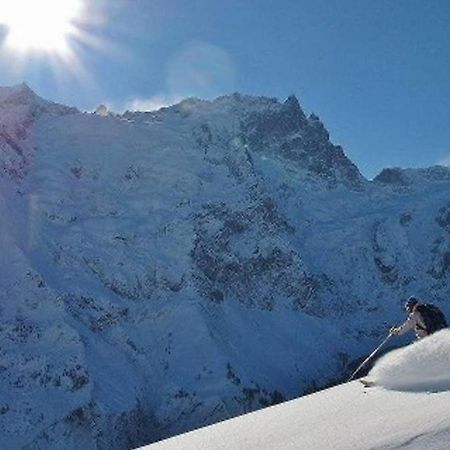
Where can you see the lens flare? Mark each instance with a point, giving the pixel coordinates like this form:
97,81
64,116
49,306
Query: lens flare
43,25
55,34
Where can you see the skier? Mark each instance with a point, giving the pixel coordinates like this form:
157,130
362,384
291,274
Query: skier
424,318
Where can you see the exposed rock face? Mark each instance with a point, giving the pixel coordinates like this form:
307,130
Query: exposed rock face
165,270
231,260
286,132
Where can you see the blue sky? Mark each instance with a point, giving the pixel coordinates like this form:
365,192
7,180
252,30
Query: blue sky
376,72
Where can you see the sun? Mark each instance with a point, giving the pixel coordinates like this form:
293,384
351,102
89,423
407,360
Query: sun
40,25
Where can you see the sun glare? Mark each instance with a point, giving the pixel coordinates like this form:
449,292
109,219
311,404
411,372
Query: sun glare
40,25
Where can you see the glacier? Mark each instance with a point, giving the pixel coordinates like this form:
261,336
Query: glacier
166,270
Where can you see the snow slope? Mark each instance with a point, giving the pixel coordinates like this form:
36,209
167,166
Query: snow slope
350,416
346,417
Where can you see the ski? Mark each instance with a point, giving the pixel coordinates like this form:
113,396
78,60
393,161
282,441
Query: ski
367,383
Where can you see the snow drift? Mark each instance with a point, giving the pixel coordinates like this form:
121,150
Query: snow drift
421,366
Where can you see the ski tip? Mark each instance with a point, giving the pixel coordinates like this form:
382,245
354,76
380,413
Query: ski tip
367,383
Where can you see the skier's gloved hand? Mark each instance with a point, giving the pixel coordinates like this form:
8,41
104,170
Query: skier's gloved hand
394,331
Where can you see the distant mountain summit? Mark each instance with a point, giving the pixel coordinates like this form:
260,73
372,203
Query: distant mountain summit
16,94
268,128
286,132
22,95
20,106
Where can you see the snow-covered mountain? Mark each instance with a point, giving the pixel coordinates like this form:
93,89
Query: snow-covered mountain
162,271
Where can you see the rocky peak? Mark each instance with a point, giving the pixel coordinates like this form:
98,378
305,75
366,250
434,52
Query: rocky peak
304,142
292,107
20,96
393,176
23,97
20,107
292,115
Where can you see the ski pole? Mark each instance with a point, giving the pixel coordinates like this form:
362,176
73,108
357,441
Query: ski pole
369,357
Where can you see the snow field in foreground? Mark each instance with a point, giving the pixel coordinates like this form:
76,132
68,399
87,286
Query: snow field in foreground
423,366
345,417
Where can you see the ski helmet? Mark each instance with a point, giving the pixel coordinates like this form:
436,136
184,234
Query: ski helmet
410,303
